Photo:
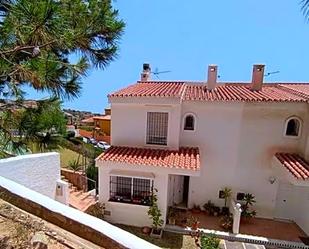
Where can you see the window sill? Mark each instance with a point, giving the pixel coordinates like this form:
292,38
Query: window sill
292,137
128,203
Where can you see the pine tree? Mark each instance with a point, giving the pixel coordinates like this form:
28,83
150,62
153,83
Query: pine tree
49,45
39,38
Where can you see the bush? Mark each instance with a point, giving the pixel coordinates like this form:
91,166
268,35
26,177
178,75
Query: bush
96,210
209,242
70,134
92,173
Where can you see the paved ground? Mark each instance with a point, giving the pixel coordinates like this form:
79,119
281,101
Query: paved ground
81,200
260,227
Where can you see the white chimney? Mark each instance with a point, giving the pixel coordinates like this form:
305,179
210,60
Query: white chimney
257,77
212,77
145,75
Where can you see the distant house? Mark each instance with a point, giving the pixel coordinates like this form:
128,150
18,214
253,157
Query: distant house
98,127
189,140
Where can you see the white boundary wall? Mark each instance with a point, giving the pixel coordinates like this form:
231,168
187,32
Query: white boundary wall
125,239
38,172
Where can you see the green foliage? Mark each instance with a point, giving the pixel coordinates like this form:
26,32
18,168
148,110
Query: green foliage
249,200
49,46
209,242
74,165
227,192
39,37
154,212
42,124
92,173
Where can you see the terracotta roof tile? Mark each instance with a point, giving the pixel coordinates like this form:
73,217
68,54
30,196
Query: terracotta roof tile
190,91
151,89
184,158
294,163
105,117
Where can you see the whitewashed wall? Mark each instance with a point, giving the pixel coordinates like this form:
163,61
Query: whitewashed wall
131,214
301,207
129,123
237,142
39,172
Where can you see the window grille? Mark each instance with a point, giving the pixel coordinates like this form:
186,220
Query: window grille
189,123
157,125
131,190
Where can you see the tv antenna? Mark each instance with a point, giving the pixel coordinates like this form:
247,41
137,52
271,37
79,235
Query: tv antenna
156,72
270,73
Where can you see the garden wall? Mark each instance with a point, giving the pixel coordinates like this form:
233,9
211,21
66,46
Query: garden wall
78,179
70,219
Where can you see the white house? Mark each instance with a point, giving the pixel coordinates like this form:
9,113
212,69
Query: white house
191,139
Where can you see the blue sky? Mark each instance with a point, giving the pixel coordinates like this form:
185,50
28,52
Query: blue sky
186,36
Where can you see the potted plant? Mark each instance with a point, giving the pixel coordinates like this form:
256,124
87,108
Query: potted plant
226,222
155,214
209,206
171,216
247,214
216,211
194,223
226,194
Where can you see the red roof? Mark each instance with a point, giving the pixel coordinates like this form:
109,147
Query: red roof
190,91
105,117
184,158
294,163
151,89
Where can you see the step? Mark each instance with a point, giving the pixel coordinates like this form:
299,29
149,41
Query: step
234,245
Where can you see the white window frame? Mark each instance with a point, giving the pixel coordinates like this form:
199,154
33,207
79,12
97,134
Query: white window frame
151,181
184,122
286,126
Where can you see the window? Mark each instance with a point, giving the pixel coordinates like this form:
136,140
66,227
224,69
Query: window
292,127
131,190
189,123
157,125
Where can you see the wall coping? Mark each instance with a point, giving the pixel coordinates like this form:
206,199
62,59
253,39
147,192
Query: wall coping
28,156
123,238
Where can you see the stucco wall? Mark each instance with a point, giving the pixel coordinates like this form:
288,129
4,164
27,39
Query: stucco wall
130,122
301,204
129,213
237,142
38,172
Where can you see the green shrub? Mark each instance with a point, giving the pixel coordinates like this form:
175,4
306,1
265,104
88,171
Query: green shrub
209,242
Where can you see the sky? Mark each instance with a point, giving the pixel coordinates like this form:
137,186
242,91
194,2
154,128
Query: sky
184,37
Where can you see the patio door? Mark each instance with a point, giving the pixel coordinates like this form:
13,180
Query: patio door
284,202
178,189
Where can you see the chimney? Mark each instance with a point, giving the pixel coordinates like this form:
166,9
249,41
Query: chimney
212,77
257,77
145,75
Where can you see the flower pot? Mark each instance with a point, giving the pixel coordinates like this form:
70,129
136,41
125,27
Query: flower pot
146,230
225,211
156,233
171,221
195,225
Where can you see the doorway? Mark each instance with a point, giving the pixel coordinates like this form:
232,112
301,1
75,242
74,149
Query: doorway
179,190
284,201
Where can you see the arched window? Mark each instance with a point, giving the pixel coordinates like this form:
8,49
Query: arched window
292,127
189,123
